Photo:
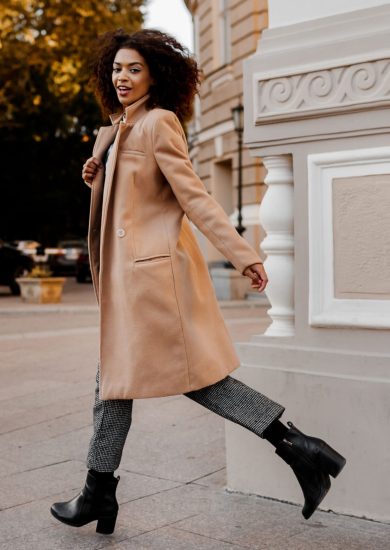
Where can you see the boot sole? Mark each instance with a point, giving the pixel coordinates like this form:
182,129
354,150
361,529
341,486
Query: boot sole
308,513
67,522
105,525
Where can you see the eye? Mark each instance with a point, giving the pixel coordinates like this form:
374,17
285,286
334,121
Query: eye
115,70
134,70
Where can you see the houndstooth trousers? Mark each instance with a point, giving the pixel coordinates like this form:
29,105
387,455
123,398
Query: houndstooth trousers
229,398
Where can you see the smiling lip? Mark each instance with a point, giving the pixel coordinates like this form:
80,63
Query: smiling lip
123,91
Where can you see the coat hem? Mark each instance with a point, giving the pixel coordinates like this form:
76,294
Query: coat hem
148,395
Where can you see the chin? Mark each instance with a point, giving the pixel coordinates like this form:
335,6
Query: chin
126,103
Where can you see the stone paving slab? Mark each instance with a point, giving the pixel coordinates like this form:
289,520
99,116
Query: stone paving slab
182,453
173,476
42,431
242,520
174,539
15,418
31,527
216,479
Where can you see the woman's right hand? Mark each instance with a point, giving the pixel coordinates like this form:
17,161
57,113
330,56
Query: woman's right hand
259,277
90,168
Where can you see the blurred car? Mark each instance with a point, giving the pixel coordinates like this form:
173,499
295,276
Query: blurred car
31,248
83,269
63,261
13,264
27,247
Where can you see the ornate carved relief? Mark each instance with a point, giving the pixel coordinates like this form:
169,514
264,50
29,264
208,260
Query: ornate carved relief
351,87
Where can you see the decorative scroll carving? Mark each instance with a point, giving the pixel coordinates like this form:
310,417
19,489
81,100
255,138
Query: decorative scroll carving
348,87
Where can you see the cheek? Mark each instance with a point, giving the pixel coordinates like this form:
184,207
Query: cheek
146,83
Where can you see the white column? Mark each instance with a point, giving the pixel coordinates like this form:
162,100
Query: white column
277,219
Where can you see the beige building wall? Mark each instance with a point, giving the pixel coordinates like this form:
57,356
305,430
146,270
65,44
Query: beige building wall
226,33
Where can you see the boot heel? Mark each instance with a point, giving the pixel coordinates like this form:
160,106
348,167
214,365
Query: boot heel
330,460
106,525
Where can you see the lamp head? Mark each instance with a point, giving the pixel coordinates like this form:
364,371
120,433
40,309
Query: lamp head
238,117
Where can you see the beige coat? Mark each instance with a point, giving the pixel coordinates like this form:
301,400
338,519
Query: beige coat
161,330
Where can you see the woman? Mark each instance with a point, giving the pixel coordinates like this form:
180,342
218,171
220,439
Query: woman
161,330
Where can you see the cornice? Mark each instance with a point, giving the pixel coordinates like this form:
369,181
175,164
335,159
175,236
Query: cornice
319,80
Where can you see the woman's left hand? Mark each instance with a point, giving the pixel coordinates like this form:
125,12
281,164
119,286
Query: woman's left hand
258,275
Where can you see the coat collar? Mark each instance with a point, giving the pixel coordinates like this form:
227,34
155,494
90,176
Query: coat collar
133,111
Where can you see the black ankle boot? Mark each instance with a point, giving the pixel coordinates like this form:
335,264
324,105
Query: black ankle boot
96,501
312,461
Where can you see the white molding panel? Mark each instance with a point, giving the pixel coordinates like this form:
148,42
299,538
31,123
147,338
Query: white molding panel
324,308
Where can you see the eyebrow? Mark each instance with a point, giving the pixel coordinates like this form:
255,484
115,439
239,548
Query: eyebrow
129,64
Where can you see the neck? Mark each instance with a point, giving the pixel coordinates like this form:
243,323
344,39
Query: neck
128,111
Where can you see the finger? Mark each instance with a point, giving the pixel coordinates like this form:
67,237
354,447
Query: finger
260,282
263,285
262,274
90,172
253,275
88,176
93,161
92,166
98,162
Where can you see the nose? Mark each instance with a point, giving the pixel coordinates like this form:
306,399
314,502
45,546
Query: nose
122,76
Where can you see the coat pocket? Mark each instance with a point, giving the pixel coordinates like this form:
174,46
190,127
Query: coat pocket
132,152
149,259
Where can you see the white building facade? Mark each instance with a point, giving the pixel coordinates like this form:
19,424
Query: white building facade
317,112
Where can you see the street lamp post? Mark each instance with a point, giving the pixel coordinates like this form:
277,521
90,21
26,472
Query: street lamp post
238,121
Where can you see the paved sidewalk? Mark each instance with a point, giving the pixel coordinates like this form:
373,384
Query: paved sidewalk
172,490
80,298
76,297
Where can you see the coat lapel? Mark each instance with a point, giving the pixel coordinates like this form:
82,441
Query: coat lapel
105,137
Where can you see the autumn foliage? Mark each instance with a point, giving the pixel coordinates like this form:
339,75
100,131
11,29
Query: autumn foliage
48,112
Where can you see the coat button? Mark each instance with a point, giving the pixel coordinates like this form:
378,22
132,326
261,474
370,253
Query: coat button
120,232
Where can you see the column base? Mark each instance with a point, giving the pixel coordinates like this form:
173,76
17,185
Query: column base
283,324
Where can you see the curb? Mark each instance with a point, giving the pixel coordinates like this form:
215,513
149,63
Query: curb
49,333
261,301
34,309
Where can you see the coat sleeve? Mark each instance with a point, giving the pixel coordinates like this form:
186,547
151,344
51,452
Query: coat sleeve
171,154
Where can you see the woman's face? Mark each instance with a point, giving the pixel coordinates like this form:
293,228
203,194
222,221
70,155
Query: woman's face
130,76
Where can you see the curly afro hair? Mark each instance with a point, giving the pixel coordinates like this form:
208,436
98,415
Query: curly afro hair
174,71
